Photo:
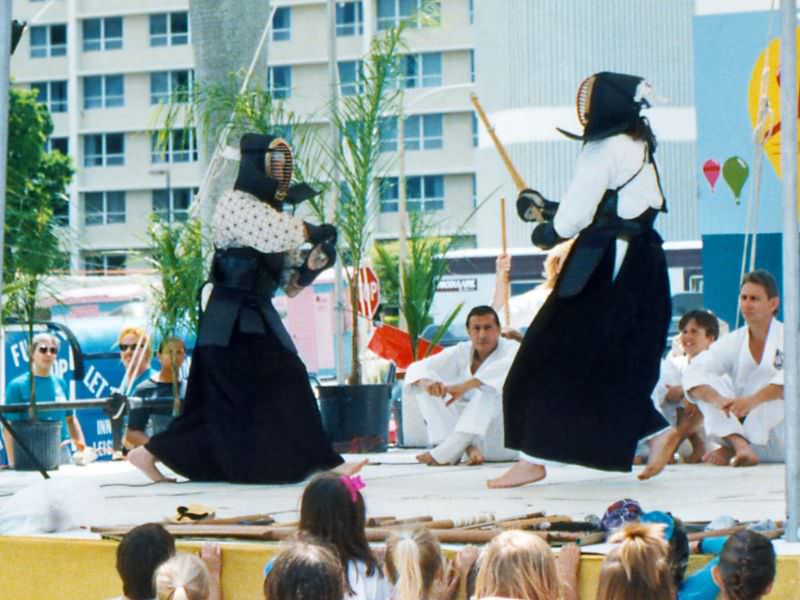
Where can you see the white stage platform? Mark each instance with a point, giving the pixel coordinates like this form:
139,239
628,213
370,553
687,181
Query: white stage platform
116,494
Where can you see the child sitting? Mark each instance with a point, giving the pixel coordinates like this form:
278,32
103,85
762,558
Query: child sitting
746,568
698,330
639,567
305,569
414,565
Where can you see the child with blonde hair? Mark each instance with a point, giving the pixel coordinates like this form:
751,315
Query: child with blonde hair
518,564
639,567
190,577
413,564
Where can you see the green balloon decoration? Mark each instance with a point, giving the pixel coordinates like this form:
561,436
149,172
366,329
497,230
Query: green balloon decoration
735,172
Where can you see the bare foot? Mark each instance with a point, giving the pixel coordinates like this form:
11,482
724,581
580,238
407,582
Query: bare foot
426,458
474,456
142,459
720,457
351,468
521,473
743,456
698,449
661,453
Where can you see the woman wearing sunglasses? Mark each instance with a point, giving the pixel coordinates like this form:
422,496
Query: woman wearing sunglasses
48,388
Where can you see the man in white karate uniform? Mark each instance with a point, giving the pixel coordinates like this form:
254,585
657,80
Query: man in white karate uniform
459,393
738,382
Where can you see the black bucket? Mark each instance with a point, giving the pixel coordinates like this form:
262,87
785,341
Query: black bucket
43,438
356,417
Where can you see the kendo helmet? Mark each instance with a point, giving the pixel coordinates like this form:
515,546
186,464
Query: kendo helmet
266,165
609,104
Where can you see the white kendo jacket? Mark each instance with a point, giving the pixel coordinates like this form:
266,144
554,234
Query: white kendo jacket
452,366
731,356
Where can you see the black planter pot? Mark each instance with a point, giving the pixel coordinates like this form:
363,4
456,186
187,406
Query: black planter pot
43,438
356,417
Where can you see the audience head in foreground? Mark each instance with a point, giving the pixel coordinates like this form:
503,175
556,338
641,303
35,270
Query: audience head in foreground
746,567
139,553
305,570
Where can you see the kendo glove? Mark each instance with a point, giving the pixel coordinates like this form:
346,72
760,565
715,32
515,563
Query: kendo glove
533,207
545,236
318,234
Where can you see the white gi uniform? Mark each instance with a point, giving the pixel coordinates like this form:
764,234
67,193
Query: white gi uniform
479,413
523,307
763,428
671,373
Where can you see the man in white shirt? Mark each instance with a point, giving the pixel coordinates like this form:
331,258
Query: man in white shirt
459,393
738,382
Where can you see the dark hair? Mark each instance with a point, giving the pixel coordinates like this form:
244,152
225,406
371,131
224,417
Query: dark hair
169,340
328,512
481,310
764,279
678,551
747,565
639,129
139,554
704,319
306,570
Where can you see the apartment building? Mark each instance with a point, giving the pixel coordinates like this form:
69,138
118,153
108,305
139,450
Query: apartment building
104,68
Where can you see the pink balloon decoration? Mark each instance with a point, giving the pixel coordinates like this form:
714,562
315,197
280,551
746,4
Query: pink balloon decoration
711,169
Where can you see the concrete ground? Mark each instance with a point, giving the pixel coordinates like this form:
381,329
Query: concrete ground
106,494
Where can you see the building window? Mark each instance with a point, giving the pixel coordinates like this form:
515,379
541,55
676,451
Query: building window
280,82
103,149
48,40
104,264
103,208
171,86
417,13
471,10
387,131
423,132
282,24
172,205
180,146
349,18
474,130
474,190
61,144
169,29
350,77
102,34
423,70
423,193
472,65
53,94
103,91
389,194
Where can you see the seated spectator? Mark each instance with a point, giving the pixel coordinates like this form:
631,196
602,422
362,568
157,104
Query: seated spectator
520,565
159,386
139,553
191,577
332,511
414,566
459,393
738,382
48,388
305,569
638,567
135,354
746,569
698,330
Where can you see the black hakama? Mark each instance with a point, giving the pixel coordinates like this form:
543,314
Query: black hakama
579,388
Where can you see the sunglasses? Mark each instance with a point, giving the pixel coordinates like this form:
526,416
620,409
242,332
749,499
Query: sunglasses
45,350
124,347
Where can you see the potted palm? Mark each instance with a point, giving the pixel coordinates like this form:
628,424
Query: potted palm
37,182
180,257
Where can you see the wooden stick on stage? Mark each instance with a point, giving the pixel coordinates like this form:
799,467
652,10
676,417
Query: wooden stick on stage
518,181
506,274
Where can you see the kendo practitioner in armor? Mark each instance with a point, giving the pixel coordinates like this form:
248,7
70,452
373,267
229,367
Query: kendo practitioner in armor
579,388
250,415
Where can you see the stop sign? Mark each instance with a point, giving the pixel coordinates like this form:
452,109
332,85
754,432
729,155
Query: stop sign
369,292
